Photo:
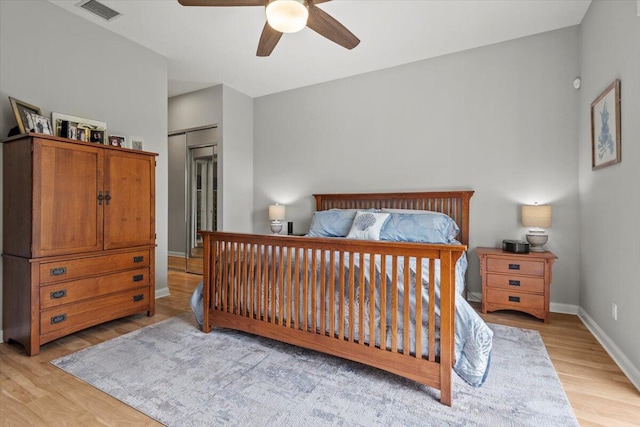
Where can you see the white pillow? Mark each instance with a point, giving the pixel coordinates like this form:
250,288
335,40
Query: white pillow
367,225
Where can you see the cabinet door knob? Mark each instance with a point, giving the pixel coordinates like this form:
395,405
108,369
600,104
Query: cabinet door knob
107,197
100,197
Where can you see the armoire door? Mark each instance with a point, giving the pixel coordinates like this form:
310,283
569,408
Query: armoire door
67,217
129,200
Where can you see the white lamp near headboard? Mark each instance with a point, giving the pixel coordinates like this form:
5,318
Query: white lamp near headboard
537,218
276,214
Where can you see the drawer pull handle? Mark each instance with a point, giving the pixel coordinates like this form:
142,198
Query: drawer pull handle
514,282
514,266
58,271
138,297
138,258
138,277
514,299
58,294
59,318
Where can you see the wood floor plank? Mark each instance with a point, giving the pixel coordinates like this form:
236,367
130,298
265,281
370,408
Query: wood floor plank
35,393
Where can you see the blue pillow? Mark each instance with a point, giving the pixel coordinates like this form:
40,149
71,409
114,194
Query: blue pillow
331,223
420,228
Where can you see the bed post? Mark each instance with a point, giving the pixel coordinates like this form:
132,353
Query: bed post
448,259
206,279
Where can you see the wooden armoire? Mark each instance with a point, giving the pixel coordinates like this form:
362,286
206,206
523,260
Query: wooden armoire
78,236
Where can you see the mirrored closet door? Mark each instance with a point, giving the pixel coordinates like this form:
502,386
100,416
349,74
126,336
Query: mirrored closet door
193,193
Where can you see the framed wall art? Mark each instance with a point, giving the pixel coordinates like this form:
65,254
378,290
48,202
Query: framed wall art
605,127
23,112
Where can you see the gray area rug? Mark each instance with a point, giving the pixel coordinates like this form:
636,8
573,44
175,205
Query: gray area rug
180,376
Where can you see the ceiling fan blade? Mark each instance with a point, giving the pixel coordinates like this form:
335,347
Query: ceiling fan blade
222,2
268,40
327,26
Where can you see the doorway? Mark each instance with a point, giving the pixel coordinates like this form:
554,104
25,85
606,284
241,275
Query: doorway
193,194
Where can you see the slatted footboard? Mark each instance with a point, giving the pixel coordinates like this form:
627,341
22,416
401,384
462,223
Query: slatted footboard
328,295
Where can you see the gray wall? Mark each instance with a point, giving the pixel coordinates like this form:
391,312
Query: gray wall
63,63
232,112
500,120
610,197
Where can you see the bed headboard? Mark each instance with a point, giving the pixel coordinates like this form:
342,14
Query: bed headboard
453,203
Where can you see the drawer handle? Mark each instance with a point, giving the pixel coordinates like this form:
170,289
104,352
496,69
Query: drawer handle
514,299
58,271
138,297
138,277
138,258
514,266
59,318
514,282
58,294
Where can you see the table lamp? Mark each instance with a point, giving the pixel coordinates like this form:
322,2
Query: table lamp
276,213
537,218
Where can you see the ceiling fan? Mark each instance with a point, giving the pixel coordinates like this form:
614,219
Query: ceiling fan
289,16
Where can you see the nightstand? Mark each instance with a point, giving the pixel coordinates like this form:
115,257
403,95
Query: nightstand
516,281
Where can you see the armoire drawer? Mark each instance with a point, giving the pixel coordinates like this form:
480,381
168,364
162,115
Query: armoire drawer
70,269
528,267
77,290
80,315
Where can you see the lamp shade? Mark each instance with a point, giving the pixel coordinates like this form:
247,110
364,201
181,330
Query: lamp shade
287,16
276,212
536,216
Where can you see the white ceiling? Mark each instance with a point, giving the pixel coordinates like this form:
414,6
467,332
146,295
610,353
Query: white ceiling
206,46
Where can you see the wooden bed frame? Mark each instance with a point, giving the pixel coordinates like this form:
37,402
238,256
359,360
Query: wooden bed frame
239,285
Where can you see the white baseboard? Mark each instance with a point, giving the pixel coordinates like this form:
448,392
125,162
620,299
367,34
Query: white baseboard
162,292
556,307
177,254
618,356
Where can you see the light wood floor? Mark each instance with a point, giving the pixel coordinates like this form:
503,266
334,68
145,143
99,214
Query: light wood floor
35,393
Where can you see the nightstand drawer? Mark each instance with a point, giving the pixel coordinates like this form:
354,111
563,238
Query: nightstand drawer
514,300
516,266
516,283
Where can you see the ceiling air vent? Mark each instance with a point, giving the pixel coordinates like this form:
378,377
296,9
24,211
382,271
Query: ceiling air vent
98,9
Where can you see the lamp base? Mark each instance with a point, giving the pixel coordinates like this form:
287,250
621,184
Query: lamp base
537,241
276,227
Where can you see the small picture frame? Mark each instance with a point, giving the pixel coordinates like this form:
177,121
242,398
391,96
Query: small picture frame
605,128
81,134
22,111
117,141
136,143
39,124
96,136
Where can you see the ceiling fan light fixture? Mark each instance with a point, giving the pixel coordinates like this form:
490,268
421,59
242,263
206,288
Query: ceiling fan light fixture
287,16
